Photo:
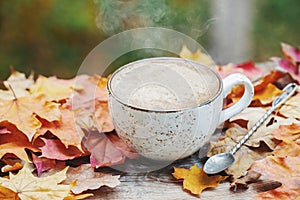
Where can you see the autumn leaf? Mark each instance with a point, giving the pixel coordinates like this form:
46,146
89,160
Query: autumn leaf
267,95
247,68
17,84
94,90
285,170
290,137
105,151
92,101
291,62
7,194
264,95
42,164
102,117
291,108
8,168
288,133
197,56
55,149
251,177
15,143
87,179
264,133
27,186
122,146
3,130
65,129
291,53
22,113
270,78
244,157
195,180
52,89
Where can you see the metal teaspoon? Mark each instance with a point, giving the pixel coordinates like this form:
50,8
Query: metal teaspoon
222,161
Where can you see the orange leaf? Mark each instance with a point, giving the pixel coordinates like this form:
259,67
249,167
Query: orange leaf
65,129
290,136
103,119
16,143
288,133
7,194
14,167
195,180
267,95
22,113
270,78
285,170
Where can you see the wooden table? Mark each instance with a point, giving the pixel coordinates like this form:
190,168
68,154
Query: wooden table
138,186
146,186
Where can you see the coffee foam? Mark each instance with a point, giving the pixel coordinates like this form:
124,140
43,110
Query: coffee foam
164,84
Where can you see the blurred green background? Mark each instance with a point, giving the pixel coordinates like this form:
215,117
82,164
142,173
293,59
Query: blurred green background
52,37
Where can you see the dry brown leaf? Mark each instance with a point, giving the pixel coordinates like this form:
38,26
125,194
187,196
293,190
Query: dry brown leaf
288,133
27,186
284,170
290,137
284,149
244,157
87,179
264,132
251,177
195,180
291,107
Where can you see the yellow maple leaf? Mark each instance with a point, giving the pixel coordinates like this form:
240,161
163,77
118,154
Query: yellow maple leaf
22,113
195,179
198,56
18,83
54,90
27,186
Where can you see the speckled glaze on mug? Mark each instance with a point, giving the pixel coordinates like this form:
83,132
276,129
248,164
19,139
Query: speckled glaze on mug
170,134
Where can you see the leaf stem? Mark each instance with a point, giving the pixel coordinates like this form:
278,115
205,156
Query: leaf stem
12,91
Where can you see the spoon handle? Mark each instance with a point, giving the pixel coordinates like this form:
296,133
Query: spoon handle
279,100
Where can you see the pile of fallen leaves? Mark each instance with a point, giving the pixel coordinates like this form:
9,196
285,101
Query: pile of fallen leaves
273,151
55,132
51,123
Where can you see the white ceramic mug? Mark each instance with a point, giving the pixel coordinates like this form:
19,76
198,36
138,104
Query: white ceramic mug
168,108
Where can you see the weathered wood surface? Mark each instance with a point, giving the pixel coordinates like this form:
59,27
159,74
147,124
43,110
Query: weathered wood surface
139,186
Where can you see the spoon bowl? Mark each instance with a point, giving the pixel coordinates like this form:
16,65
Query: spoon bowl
218,163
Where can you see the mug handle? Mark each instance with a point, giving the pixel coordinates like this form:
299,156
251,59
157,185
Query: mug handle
228,83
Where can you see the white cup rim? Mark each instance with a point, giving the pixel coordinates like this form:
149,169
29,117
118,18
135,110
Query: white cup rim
112,94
